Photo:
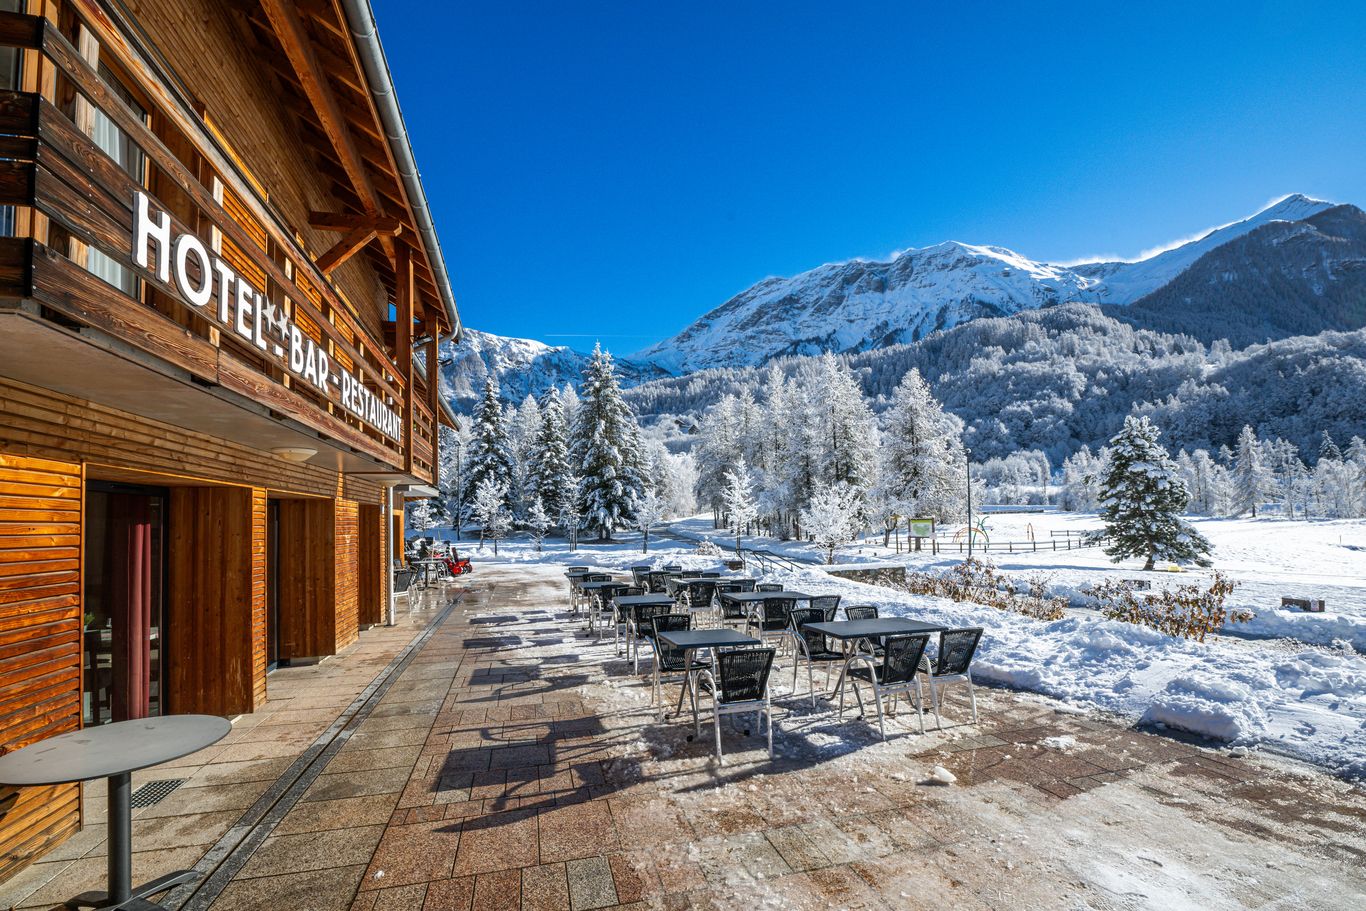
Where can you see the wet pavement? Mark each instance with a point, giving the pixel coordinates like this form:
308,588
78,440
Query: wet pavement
503,758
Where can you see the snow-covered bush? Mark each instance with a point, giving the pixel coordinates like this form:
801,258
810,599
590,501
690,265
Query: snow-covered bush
707,548
979,582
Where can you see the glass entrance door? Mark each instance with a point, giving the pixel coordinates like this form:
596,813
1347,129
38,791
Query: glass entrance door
125,565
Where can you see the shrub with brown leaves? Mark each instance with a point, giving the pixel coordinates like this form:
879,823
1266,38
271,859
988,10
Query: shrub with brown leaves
1187,611
979,582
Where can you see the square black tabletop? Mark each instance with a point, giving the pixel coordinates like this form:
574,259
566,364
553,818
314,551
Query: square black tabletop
750,597
872,629
707,638
578,573
597,586
659,598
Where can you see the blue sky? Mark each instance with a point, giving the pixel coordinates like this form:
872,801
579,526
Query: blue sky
613,170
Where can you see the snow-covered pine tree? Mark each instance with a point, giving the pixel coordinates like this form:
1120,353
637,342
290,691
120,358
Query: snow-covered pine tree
846,437
923,471
716,453
1253,481
738,501
551,476
831,518
523,429
420,515
488,457
1142,499
1081,481
1328,449
604,448
537,521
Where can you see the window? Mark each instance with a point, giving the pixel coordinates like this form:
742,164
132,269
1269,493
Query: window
9,79
116,144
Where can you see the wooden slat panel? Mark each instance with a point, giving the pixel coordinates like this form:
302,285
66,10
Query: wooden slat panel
370,554
308,578
258,597
40,646
347,543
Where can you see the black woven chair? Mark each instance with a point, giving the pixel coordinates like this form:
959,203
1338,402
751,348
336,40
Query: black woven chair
771,623
811,646
644,628
860,612
746,585
768,587
655,579
710,575
952,664
621,616
671,662
731,612
639,574
700,596
738,687
827,603
896,676
673,568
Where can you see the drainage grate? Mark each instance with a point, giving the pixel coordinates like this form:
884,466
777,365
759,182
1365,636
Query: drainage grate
153,792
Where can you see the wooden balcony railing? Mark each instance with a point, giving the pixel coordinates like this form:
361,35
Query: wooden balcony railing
291,344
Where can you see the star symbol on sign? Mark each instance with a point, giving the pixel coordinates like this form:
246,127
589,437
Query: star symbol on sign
276,317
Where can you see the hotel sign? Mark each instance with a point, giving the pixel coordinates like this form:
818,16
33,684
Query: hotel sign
209,284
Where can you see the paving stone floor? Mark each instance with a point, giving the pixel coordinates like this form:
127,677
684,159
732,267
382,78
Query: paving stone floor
516,763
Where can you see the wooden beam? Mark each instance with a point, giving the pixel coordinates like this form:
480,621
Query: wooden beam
289,29
403,342
345,248
338,221
430,329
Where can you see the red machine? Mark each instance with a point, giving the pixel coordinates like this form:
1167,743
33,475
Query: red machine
455,565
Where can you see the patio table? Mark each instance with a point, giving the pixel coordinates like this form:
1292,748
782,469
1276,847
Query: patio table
114,751
850,632
631,605
694,640
748,601
427,567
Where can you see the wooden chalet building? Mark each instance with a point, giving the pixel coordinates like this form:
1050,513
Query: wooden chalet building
219,283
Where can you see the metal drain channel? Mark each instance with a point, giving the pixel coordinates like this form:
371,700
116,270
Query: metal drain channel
227,857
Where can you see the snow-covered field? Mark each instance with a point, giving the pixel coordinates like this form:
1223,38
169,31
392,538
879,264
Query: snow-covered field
1304,701
1268,558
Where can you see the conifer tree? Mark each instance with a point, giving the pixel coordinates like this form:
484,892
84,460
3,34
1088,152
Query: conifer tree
1142,499
550,474
488,456
1253,481
1328,449
604,448
738,501
923,469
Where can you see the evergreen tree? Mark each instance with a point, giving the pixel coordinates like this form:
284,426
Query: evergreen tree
488,457
1253,481
846,437
923,469
1328,449
604,448
524,427
550,474
1142,499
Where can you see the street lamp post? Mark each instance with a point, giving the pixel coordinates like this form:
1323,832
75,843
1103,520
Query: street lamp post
967,470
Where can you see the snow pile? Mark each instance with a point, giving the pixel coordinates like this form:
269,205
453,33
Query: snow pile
1205,704
1062,743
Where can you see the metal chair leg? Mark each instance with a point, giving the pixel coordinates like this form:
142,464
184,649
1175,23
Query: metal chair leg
934,701
877,702
920,704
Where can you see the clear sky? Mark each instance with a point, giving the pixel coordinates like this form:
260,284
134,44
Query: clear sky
613,170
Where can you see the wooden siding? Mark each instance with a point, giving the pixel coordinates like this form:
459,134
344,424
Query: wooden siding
258,598
347,568
41,504
215,597
307,573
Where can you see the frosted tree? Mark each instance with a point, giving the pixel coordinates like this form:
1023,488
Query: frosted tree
923,470
454,445
537,521
1081,481
571,515
831,518
490,511
1329,449
738,502
524,427
604,448
649,513
1253,481
716,452
846,439
1142,499
420,515
1207,482
569,402
550,473
489,457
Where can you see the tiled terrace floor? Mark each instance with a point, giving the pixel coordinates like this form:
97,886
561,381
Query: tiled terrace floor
516,764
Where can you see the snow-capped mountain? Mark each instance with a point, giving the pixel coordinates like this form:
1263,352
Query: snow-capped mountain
522,367
858,305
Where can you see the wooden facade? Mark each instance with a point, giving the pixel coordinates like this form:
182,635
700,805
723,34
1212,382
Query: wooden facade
214,276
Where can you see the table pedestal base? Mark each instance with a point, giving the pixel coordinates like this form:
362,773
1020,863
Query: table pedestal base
137,898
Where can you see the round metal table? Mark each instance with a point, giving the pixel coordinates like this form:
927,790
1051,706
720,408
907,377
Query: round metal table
114,751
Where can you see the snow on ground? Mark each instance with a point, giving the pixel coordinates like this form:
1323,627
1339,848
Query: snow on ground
1302,701
1268,557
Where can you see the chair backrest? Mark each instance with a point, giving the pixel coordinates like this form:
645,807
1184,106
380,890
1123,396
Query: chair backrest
656,579
829,603
860,612
776,613
746,585
641,568
768,587
668,623
647,612
903,654
578,569
673,568
728,585
743,674
701,593
956,648
814,641
710,575
597,577
640,574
